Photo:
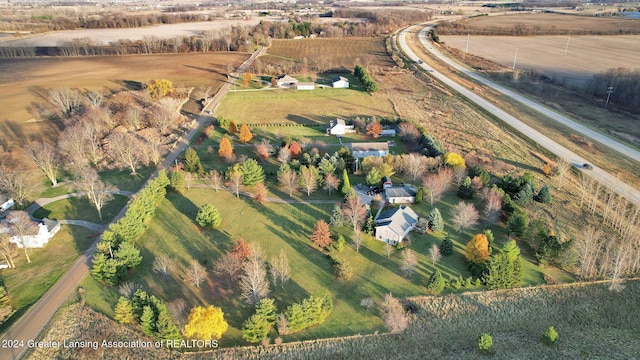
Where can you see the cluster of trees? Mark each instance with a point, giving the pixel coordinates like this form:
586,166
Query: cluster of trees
312,311
363,76
386,19
626,87
417,137
151,313
521,29
117,252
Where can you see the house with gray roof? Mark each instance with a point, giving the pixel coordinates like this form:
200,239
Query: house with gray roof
394,224
362,150
286,81
400,194
37,238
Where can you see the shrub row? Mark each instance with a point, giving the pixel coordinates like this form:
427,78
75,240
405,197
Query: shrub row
363,76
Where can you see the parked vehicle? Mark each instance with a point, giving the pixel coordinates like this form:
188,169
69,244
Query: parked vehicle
587,166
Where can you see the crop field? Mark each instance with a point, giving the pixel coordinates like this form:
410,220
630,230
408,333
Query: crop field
554,23
24,81
586,55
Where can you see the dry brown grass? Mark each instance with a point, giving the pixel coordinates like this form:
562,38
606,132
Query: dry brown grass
22,81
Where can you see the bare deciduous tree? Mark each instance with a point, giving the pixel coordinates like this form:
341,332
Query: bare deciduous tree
97,191
586,185
196,273
164,265
8,250
94,97
125,150
561,169
288,180
46,158
493,206
134,118
280,268
21,226
235,181
459,173
282,324
331,182
354,210
395,318
588,248
253,282
284,154
358,239
434,254
65,100
464,216
215,179
71,145
388,249
228,267
15,178
409,261
309,178
165,114
177,308
414,165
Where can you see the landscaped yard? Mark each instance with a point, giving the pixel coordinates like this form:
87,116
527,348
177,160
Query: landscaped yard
28,282
275,227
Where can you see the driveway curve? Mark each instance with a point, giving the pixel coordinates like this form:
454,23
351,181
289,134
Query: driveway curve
604,177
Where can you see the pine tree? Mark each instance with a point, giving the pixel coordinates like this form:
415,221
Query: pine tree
336,216
346,185
436,283
544,195
226,149
128,255
518,223
257,327
208,216
446,247
192,162
177,182
369,226
505,268
147,321
466,190
166,329
435,219
339,244
524,196
252,172
489,234
245,134
98,268
123,311
373,177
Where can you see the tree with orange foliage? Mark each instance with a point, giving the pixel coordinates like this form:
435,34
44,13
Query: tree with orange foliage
245,134
233,127
260,193
547,169
477,250
321,236
226,149
295,149
242,250
374,129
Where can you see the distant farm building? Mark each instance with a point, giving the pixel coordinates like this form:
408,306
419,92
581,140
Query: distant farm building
340,82
286,81
362,150
305,86
394,224
388,132
339,128
41,235
400,194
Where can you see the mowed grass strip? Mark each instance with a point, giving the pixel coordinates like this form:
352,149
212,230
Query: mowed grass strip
79,208
28,282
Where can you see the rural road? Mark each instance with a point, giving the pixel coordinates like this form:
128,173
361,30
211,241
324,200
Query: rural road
44,201
604,177
31,324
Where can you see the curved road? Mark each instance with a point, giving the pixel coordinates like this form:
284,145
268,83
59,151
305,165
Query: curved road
30,325
604,177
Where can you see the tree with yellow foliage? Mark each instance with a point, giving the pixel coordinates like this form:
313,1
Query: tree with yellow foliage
477,250
226,149
245,134
206,323
454,159
158,88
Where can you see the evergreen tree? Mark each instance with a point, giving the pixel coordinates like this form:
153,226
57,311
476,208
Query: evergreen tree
346,185
435,220
340,242
446,247
128,255
245,134
524,196
544,195
123,311
436,282
489,234
518,223
505,268
465,191
342,270
98,268
192,162
252,172
166,329
336,216
208,216
419,194
481,173
373,177
177,182
370,226
147,321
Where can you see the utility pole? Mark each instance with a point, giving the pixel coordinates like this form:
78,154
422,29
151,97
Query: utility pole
514,61
466,48
609,92
567,46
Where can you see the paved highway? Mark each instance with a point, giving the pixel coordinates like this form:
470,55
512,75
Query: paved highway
604,177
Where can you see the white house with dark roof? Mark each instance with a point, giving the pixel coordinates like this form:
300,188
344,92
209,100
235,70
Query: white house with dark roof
362,150
6,203
46,229
400,194
340,82
339,128
286,81
394,224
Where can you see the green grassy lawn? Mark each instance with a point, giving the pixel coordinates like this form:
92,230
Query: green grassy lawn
123,180
79,208
56,191
275,227
28,282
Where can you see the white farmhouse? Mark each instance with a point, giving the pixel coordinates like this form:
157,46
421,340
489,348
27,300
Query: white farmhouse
393,225
305,86
362,150
39,238
339,128
286,81
340,82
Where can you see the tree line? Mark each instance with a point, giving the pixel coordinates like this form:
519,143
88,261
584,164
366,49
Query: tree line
460,28
626,87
